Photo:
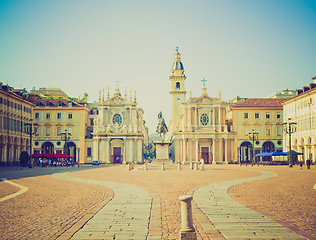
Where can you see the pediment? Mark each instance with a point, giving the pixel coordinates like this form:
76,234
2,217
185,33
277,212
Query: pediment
117,100
204,100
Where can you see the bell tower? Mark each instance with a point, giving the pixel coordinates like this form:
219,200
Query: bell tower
177,92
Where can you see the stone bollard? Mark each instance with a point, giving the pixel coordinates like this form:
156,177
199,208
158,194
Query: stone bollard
146,167
202,167
187,231
191,165
179,165
196,166
163,166
130,166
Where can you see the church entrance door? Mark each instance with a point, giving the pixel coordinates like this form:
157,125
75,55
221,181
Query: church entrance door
205,154
117,154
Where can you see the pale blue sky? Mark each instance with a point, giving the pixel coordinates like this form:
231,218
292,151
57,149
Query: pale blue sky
247,48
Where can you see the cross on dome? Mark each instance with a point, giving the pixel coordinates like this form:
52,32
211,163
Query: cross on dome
203,81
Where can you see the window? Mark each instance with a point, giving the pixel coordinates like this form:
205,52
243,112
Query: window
69,104
36,115
47,104
278,115
204,119
48,131
256,115
279,131
38,104
177,85
268,132
47,115
89,151
58,131
58,115
267,115
60,104
245,115
69,115
91,121
91,112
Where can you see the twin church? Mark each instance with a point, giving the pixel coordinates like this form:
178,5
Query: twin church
197,128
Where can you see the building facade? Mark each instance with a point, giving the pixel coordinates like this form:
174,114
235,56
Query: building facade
301,110
54,117
198,124
263,116
15,112
119,133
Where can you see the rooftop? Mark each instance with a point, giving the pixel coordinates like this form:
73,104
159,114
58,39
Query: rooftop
261,102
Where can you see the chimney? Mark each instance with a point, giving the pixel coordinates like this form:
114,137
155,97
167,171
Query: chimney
314,78
299,91
305,88
312,85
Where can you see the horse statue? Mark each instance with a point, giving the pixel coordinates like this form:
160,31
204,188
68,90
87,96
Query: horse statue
162,127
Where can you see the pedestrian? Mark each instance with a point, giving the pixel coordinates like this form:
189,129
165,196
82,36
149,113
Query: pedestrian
308,163
301,164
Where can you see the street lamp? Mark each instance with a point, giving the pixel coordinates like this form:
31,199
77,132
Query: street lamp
253,136
30,129
289,128
65,136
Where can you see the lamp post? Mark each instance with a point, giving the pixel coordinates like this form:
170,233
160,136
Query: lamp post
252,136
65,136
30,129
289,128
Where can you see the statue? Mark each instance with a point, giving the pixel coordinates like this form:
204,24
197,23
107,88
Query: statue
219,93
161,128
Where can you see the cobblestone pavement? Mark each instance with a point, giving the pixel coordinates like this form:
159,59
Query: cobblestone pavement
55,208
166,187
126,216
234,220
288,199
49,208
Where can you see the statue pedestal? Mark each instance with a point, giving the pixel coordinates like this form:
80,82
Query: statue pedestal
162,150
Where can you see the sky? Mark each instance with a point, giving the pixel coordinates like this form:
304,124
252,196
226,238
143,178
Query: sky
246,48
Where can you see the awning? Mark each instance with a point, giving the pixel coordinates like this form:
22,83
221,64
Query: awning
39,155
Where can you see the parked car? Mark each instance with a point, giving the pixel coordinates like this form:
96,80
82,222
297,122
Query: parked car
96,163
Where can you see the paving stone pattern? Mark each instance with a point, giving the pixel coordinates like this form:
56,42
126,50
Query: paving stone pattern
126,216
234,220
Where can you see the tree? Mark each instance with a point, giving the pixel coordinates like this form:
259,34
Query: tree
24,159
292,157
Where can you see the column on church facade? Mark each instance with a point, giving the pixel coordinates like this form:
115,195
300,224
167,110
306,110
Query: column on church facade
130,150
196,149
196,118
183,150
191,152
214,155
95,149
190,118
107,151
220,119
220,150
124,151
214,120
139,151
102,150
226,157
177,150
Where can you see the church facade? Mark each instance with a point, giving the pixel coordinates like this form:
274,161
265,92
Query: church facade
119,133
198,124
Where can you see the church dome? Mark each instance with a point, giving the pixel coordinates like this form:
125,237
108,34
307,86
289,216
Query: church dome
177,65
